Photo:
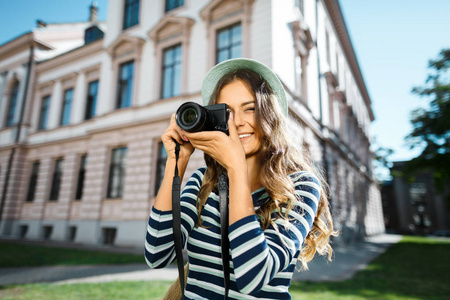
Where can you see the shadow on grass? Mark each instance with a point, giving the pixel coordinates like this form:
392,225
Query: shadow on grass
415,268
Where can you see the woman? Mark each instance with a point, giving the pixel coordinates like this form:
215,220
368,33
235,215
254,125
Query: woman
278,210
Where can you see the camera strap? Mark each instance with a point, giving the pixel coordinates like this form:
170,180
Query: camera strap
225,243
176,223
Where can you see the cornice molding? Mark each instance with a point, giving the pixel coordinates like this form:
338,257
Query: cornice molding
184,23
338,21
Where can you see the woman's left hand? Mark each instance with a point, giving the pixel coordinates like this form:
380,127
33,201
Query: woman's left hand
227,150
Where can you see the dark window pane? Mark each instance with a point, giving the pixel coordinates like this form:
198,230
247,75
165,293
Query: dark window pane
109,235
131,13
172,4
229,43
56,179
66,107
47,232
12,104
43,115
172,69
160,166
91,102
116,178
125,85
72,233
33,182
81,175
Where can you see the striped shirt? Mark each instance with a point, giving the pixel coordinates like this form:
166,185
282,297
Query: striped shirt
261,261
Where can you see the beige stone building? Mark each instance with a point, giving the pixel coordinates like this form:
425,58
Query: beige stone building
83,106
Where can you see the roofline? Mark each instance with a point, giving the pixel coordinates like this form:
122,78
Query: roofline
26,39
334,10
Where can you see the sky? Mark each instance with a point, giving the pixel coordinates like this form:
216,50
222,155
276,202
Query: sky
393,41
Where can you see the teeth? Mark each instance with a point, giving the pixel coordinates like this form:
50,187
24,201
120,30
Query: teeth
241,136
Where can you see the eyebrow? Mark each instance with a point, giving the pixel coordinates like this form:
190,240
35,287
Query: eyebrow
248,102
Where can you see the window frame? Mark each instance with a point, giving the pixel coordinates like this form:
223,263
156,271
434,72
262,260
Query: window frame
12,104
122,166
229,29
217,15
160,166
66,104
172,67
125,82
43,117
90,108
135,7
57,176
32,182
81,176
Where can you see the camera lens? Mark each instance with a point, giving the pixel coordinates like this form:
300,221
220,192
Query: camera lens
189,116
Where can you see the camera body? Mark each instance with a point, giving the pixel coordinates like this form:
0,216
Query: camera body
193,117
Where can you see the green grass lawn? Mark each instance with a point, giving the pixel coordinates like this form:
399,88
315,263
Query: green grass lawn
415,268
21,255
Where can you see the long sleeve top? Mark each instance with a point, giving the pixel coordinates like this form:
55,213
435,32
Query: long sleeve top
262,262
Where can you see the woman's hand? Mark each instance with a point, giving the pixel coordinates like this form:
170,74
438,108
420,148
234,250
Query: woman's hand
174,132
227,150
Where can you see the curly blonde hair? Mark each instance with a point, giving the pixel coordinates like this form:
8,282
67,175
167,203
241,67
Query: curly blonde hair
278,158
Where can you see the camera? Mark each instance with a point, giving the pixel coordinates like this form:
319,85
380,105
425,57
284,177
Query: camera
193,117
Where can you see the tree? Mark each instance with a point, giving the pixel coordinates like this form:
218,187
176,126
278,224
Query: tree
431,126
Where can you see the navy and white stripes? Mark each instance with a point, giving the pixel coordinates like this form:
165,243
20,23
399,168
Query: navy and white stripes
262,262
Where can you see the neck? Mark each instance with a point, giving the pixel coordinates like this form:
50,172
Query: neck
253,172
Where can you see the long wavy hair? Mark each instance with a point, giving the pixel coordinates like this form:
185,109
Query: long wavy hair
278,157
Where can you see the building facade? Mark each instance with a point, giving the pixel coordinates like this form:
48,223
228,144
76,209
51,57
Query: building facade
415,206
83,107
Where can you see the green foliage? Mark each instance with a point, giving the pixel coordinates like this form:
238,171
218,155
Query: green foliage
18,255
431,126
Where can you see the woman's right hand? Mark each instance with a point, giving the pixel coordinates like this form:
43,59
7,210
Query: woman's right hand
174,132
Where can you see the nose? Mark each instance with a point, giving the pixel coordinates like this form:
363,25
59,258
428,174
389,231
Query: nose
238,119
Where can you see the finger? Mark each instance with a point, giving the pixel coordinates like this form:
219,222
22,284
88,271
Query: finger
173,135
232,126
203,135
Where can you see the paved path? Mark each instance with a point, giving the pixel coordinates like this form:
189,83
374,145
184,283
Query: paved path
346,262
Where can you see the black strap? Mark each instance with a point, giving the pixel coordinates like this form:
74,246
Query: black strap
223,198
176,212
176,222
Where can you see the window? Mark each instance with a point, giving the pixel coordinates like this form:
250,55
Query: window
33,182
43,115
81,175
131,13
56,180
117,173
172,4
172,72
125,85
91,102
160,166
12,104
92,34
66,107
23,230
229,43
47,232
109,235
72,233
